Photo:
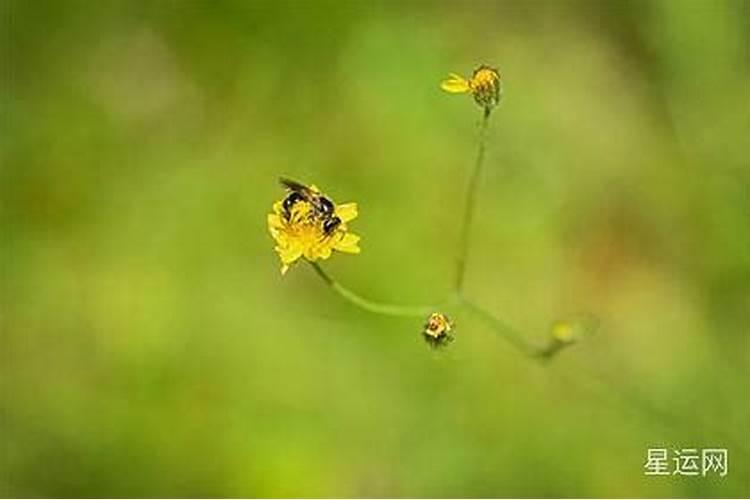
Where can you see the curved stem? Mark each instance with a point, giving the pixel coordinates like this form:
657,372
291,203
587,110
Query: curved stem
505,331
372,305
470,203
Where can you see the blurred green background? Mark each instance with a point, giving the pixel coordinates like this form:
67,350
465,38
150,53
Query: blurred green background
149,345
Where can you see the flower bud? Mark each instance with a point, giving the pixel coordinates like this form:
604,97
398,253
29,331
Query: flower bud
437,329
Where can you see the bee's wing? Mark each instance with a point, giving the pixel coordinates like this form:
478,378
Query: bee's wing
293,185
300,188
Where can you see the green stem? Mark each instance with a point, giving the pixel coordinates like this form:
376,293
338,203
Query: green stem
371,305
504,330
469,207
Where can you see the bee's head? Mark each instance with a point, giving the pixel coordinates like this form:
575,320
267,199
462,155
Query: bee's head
330,225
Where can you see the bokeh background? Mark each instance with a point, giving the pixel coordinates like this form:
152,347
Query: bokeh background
149,345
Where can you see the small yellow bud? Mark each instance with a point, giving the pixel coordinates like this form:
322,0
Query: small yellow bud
484,85
563,332
437,329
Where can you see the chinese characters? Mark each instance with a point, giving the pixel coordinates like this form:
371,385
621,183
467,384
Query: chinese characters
686,462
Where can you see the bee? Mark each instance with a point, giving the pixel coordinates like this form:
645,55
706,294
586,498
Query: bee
323,208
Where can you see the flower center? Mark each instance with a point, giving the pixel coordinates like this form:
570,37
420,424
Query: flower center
484,78
306,224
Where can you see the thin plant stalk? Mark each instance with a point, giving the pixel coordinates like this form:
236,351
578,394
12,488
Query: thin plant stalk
512,336
470,204
372,305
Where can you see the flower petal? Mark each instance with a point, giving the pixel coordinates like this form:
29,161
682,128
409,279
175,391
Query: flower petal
290,253
455,84
274,221
347,211
323,252
276,228
349,243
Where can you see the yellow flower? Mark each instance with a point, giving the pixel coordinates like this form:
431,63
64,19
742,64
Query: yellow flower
437,329
485,85
564,332
573,329
300,231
